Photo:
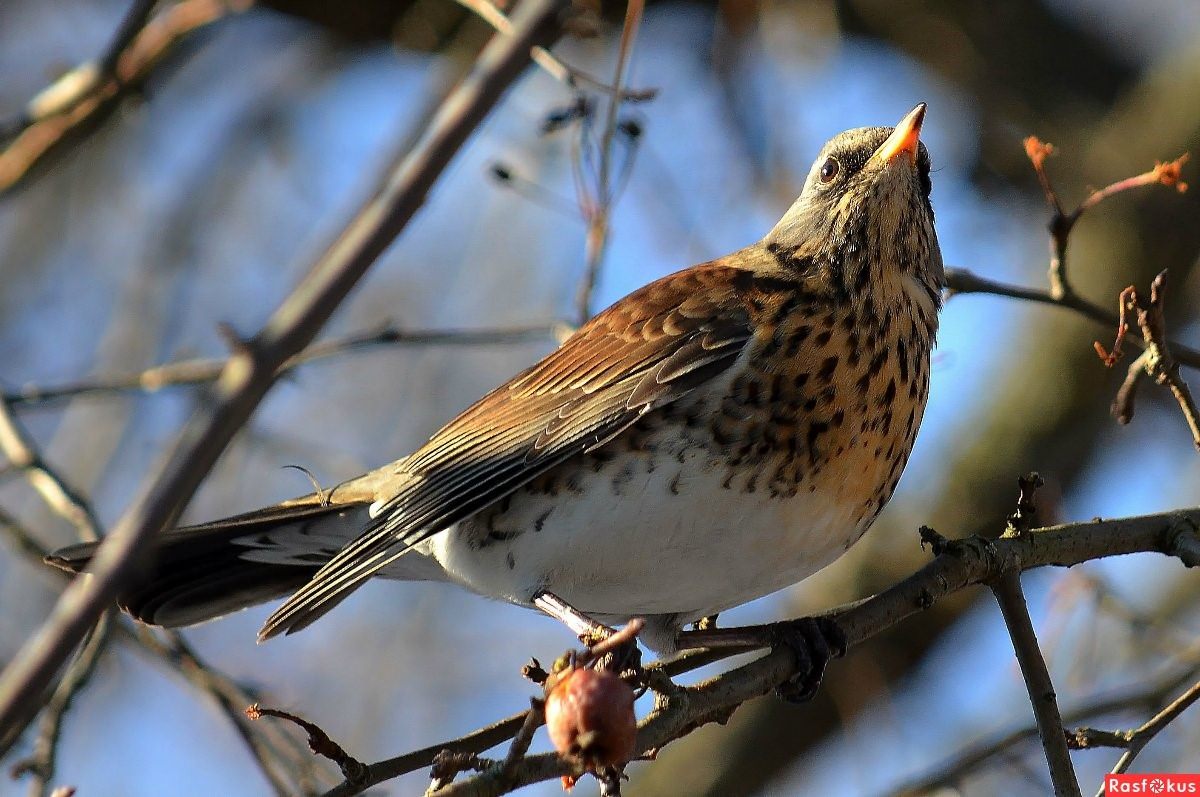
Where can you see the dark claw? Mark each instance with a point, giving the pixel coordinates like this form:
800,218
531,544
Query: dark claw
814,641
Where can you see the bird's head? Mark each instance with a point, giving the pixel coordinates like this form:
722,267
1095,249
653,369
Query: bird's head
864,216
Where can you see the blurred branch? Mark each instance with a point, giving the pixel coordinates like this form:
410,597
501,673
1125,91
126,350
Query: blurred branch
956,566
596,204
279,757
64,500
89,91
970,759
26,544
132,23
41,764
21,452
569,76
251,369
1135,740
201,371
24,455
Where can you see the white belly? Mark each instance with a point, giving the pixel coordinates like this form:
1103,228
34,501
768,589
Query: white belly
634,540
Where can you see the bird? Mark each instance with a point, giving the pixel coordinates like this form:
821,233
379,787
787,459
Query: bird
713,437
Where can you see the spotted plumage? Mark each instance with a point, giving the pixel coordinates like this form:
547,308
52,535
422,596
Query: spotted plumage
714,436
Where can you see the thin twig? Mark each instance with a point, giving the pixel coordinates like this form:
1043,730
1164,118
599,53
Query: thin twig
90,90
1062,222
64,500
1009,595
318,741
569,76
1135,740
963,281
202,371
1156,361
41,764
534,719
251,369
971,758
596,205
18,446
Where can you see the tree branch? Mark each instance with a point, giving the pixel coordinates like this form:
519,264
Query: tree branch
1011,598
91,89
1134,741
970,758
596,202
962,281
202,371
251,370
63,500
569,76
956,566
1156,361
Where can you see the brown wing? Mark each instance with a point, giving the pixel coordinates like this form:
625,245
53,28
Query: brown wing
652,347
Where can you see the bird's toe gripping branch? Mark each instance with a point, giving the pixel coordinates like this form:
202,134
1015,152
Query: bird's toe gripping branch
813,641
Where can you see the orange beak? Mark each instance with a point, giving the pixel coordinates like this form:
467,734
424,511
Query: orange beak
905,138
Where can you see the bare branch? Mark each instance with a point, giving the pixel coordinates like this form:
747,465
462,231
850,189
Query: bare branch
1135,740
64,500
569,76
318,741
250,372
202,371
953,770
958,565
1157,360
962,281
1062,222
596,204
92,89
1037,681
42,763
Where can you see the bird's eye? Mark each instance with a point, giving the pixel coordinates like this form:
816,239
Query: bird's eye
830,169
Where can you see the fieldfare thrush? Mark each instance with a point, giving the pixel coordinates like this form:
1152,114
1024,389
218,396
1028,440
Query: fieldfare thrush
715,436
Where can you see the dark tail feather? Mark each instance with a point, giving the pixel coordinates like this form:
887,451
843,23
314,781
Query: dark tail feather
198,573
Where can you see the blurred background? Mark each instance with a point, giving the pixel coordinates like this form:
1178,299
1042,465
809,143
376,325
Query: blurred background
202,196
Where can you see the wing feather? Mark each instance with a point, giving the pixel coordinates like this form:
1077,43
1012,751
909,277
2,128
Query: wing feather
648,350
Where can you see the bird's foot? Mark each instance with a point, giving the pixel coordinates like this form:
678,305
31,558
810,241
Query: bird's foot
813,641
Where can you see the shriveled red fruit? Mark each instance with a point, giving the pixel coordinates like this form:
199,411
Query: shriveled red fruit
589,715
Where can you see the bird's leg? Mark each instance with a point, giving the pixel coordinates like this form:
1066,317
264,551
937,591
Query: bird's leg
588,630
813,640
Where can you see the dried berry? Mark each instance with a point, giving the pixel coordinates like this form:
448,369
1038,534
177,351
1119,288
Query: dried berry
590,717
